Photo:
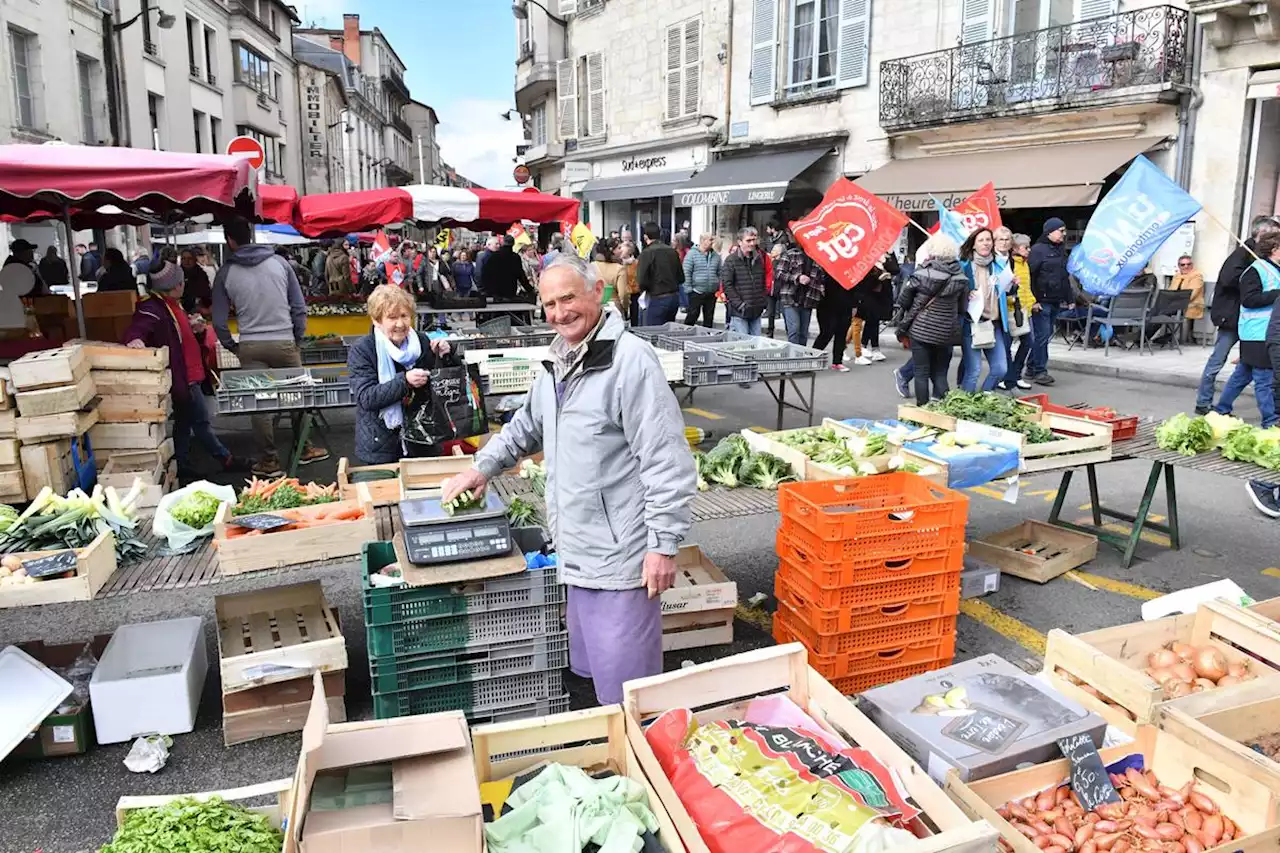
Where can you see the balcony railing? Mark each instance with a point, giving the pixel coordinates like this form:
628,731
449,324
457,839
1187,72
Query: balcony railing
394,80
1101,58
403,126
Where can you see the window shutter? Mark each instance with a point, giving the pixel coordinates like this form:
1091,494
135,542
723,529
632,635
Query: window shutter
855,43
674,78
764,51
1086,9
567,98
568,7
595,94
977,21
692,65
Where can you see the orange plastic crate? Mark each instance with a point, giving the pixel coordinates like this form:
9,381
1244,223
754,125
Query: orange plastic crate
887,665
884,505
885,640
806,578
841,620
855,564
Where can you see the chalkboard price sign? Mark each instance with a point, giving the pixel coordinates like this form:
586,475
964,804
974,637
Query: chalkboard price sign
985,729
1089,778
53,564
261,521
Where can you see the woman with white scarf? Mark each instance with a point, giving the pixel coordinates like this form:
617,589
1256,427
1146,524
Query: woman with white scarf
385,368
986,324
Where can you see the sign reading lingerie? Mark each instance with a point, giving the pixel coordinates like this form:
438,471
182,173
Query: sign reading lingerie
849,231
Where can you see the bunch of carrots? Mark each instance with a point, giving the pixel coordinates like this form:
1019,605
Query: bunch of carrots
303,518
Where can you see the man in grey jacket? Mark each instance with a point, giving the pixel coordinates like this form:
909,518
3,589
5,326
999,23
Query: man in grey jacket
619,477
701,281
271,317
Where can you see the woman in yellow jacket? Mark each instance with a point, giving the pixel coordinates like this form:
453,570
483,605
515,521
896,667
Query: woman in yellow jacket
1011,252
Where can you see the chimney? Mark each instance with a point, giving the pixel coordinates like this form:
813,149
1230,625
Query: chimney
351,37
335,43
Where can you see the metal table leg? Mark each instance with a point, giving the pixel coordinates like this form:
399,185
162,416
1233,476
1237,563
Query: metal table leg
300,441
1126,542
806,405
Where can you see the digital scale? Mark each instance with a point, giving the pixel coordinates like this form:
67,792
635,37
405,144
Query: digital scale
431,536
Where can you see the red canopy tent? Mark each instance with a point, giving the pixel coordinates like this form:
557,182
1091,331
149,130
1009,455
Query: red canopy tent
340,213
103,187
279,203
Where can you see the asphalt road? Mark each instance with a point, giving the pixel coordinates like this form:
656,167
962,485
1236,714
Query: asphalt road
67,805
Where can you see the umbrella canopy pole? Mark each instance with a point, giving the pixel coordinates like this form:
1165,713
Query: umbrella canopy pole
73,268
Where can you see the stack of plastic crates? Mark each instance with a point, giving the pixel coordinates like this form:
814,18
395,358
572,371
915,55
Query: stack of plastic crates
494,649
869,576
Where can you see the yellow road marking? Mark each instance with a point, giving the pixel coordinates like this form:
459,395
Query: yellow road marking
984,490
1271,573
1151,516
1048,494
703,413
1132,590
1149,536
1004,625
756,428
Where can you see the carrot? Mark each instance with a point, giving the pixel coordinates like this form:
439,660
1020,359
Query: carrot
348,514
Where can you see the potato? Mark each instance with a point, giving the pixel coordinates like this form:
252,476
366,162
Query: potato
10,562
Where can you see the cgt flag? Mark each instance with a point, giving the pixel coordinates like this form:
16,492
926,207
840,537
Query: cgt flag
980,210
1128,227
849,231
381,247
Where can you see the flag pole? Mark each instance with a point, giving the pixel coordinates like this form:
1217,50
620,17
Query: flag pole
1215,221
919,228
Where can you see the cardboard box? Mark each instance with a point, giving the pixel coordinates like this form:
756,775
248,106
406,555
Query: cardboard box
436,799
1005,718
978,578
700,584
69,733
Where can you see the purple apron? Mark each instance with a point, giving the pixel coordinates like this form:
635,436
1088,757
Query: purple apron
614,636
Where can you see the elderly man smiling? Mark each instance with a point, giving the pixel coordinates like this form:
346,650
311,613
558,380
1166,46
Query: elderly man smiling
619,477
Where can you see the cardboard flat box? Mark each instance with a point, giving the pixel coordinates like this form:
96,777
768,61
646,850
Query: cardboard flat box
699,585
436,797
982,717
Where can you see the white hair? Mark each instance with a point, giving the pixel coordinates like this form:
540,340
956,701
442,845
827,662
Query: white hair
492,244
582,269
942,247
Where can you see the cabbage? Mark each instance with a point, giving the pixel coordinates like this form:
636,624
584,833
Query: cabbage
1185,435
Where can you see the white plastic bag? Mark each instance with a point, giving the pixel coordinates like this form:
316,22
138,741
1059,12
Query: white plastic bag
178,534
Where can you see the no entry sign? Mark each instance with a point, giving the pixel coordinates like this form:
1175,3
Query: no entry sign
248,147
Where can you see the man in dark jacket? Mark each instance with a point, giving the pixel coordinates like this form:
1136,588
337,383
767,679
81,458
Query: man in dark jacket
1225,310
659,274
745,294
1052,288
503,275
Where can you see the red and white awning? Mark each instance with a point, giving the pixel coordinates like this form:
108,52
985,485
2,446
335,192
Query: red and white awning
340,213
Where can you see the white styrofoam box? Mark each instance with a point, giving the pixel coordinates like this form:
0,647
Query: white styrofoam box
29,692
149,680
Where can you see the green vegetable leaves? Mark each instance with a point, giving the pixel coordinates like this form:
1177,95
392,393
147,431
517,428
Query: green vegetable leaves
994,410
1250,444
523,513
189,826
196,510
733,463
1185,435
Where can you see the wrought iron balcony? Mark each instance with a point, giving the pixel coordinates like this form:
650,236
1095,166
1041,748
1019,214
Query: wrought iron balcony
394,80
1139,54
402,126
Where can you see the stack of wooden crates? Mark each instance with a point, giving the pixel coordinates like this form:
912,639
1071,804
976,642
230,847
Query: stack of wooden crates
56,408
133,435
12,486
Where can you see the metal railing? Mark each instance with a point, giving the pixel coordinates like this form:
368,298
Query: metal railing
1100,58
401,125
395,80
150,47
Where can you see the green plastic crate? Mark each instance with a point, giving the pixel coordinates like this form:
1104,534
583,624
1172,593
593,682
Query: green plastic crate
454,633
407,672
476,697
393,605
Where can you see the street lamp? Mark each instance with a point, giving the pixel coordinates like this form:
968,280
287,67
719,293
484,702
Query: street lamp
114,74
520,9
164,22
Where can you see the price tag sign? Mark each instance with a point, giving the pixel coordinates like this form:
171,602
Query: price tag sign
53,564
261,521
1089,777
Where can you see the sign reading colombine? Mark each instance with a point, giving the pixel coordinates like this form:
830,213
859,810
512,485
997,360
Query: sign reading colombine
849,231
1128,227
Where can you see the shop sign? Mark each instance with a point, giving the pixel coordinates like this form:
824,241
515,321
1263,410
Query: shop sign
648,162
732,195
575,172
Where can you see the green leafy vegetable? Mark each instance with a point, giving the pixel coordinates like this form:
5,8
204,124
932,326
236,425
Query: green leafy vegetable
732,463
1250,444
523,513
186,825
196,510
463,502
994,410
536,474
1185,435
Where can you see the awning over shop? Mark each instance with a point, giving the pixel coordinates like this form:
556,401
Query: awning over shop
1067,174
626,187
1264,84
754,179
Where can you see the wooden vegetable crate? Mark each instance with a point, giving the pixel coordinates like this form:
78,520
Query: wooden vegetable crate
285,626
48,368
721,690
289,547
807,469
158,479
108,356
280,790
383,492
1035,551
698,610
1112,660
94,566
1252,807
592,739
279,708
1222,725
423,478
1081,441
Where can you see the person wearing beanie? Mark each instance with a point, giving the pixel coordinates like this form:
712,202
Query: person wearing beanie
1052,288
159,321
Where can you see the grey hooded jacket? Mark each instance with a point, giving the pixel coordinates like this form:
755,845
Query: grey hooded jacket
265,292
620,475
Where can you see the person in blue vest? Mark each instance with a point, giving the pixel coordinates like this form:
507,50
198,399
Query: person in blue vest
1259,333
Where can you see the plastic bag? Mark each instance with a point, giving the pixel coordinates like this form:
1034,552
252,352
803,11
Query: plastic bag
148,754
78,674
449,406
177,534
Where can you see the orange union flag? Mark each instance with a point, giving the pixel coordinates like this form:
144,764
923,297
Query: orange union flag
849,231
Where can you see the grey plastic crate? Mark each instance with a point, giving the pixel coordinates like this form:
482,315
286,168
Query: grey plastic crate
324,353
789,358
487,695
539,335
331,388
702,367
672,336
241,390
406,672
540,708
500,325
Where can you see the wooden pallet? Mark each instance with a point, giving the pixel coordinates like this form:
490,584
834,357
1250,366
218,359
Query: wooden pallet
382,492
50,367
280,708
1112,660
721,689
594,739
135,408
276,812
94,566
108,356
140,436
1252,807
287,547
132,382
1035,551
291,628
60,398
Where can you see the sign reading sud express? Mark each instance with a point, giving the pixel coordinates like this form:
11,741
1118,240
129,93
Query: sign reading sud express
849,231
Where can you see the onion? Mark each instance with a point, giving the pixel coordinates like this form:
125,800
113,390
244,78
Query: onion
1162,659
1184,651
1210,663
1161,676
1228,680
1237,668
1203,684
1177,689
1185,672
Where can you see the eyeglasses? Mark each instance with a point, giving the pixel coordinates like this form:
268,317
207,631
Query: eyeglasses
1184,263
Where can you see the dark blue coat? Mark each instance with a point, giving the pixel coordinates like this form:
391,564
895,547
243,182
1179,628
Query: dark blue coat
1048,264
375,444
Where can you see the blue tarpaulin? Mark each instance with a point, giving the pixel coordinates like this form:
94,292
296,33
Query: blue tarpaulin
968,467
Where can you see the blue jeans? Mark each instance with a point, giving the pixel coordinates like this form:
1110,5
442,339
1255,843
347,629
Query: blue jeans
662,309
744,326
997,361
1227,338
1263,391
968,356
1016,362
1042,324
797,320
191,418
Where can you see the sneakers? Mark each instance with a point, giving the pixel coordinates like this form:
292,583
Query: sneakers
267,468
1265,497
1043,379
841,368
1202,410
862,360
876,355
1004,386
900,382
311,453
1024,384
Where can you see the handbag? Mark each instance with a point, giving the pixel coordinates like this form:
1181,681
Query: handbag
1021,325
983,335
449,406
